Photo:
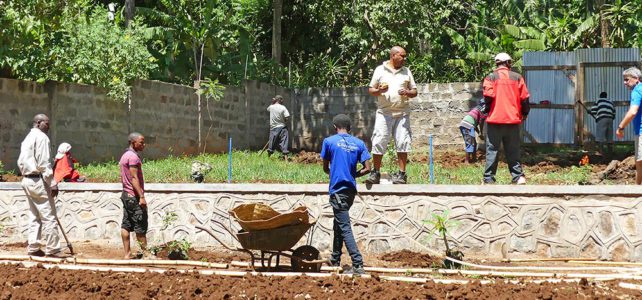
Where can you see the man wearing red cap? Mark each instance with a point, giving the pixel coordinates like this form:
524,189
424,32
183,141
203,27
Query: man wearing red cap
506,95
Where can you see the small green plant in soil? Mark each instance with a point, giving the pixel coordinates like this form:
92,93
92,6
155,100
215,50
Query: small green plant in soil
179,249
441,223
176,249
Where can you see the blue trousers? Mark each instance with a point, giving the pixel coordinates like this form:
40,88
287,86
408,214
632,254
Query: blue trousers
469,139
341,203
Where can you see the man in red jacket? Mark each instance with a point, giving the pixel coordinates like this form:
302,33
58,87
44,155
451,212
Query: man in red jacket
506,95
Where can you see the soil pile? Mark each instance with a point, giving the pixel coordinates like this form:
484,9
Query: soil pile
34,283
304,157
618,171
219,256
411,259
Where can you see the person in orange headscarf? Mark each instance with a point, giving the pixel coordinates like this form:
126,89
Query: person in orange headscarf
64,165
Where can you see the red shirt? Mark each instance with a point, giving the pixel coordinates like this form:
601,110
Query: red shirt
508,90
64,169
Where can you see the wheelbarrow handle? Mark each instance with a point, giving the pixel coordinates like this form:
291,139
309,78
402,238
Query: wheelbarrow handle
209,231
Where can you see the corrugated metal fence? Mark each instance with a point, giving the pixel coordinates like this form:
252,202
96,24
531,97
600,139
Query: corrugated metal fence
557,80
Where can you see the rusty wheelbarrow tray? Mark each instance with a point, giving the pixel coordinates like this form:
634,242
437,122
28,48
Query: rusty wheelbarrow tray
272,243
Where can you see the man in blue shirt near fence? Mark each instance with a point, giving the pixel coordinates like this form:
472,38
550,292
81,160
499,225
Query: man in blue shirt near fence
634,116
340,154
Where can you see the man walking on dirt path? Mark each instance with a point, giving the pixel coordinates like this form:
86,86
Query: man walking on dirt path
41,189
133,196
393,85
340,154
279,136
506,95
633,115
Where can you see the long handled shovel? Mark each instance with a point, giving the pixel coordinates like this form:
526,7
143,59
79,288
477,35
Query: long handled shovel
53,208
586,109
264,147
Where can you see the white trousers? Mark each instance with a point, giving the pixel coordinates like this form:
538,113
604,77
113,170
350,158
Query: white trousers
387,126
41,217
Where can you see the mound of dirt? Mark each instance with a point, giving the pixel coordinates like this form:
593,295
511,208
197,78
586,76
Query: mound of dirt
618,171
304,157
10,178
544,167
411,259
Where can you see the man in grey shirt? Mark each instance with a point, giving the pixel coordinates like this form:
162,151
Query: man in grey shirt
40,187
279,115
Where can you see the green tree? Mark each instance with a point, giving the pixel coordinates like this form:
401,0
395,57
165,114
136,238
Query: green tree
77,44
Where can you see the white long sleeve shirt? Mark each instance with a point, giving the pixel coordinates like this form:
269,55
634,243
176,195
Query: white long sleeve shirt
35,156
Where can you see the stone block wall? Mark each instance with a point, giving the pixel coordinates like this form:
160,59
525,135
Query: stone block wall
168,115
437,110
538,221
85,117
20,101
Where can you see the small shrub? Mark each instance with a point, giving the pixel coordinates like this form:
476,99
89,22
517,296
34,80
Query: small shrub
179,249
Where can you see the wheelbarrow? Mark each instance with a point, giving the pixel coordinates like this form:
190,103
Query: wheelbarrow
274,243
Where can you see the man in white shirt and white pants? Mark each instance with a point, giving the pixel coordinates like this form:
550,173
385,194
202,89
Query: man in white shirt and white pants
40,187
393,85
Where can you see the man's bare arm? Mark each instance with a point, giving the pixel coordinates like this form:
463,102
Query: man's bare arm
133,170
326,166
365,170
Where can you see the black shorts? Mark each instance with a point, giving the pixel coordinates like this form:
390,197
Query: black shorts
134,216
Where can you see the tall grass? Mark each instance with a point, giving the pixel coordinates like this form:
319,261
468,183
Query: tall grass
250,167
246,167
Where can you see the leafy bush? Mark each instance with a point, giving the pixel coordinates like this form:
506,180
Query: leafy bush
72,43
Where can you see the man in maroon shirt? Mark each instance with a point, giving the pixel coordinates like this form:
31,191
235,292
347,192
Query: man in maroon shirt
133,196
506,95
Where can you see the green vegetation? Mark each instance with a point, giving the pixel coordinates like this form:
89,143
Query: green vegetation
250,167
441,224
72,42
176,249
185,41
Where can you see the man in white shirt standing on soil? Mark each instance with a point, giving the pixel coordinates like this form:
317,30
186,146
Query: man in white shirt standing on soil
393,85
40,188
279,115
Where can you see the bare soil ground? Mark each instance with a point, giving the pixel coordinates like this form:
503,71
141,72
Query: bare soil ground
33,283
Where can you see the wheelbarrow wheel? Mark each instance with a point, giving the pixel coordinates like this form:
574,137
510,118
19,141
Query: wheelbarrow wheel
302,253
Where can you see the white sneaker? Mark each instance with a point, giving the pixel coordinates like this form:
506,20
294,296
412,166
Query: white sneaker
521,180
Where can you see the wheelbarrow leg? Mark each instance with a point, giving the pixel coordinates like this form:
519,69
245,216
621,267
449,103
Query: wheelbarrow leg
277,262
251,257
263,260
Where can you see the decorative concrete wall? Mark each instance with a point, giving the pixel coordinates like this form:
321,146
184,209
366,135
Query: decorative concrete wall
168,116
545,221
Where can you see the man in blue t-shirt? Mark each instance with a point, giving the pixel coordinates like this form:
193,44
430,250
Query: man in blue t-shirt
340,154
631,81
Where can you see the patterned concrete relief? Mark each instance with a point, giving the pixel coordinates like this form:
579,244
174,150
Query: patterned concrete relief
605,228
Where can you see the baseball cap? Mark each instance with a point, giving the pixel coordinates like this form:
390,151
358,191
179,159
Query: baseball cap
502,57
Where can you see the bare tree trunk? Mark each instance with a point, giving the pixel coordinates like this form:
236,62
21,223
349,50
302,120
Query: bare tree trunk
276,31
130,10
604,25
